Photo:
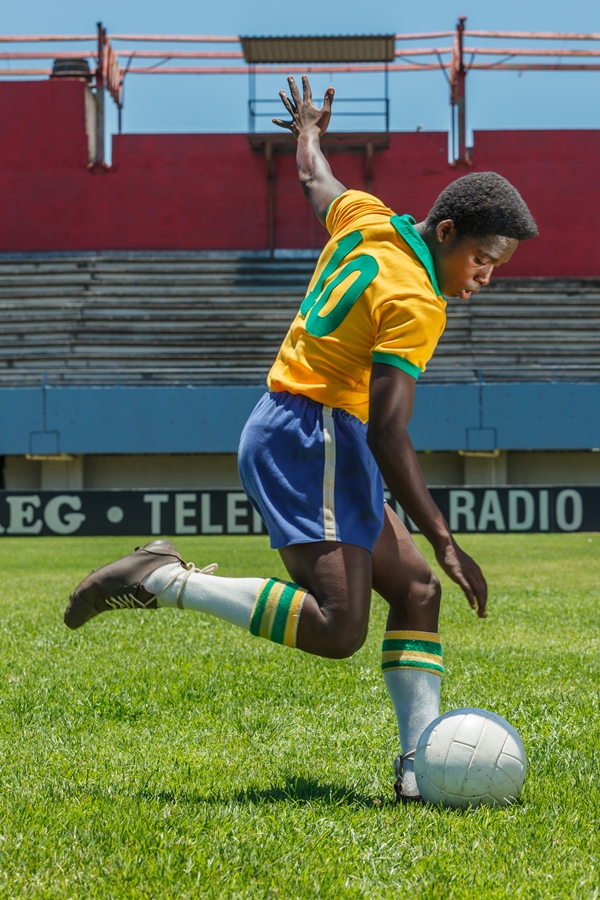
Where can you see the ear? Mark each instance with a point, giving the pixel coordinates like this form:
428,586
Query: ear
444,230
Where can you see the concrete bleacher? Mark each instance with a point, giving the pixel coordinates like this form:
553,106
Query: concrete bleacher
150,319
143,319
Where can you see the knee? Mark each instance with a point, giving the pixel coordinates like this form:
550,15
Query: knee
345,639
425,592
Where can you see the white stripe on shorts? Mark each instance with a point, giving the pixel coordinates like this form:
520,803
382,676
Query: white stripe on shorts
329,476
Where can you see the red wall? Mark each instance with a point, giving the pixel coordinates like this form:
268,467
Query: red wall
209,191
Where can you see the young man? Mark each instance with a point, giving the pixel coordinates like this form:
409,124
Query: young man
314,450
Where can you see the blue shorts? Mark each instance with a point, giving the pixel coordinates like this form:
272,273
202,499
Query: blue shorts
307,469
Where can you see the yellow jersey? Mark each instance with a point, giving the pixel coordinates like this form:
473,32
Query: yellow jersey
373,297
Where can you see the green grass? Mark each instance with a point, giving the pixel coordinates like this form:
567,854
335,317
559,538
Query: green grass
165,754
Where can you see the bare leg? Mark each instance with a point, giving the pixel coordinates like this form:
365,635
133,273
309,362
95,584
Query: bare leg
335,613
402,576
339,576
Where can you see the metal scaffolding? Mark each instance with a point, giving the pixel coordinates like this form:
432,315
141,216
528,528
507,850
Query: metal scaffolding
110,62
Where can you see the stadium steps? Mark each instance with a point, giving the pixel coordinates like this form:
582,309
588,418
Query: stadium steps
143,319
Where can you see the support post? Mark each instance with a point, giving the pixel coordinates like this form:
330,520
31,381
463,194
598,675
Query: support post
99,163
270,196
251,99
387,98
461,93
458,93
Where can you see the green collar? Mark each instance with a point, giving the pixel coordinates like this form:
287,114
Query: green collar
405,226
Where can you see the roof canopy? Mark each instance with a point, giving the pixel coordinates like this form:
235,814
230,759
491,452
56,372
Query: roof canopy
353,48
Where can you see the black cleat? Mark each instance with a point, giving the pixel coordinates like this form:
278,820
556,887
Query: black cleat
118,585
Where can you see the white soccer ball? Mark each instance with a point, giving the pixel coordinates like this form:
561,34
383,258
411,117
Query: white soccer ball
469,757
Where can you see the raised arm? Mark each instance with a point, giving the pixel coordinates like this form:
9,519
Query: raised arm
391,403
308,124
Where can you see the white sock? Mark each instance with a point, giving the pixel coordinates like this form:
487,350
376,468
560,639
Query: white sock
230,599
416,698
412,665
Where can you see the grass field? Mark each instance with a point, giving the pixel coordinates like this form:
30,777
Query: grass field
165,754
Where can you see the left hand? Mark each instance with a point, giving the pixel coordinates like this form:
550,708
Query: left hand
465,572
304,113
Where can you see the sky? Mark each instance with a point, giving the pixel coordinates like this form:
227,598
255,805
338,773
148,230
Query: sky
198,103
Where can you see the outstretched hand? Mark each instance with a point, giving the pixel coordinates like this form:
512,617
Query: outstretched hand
465,572
303,111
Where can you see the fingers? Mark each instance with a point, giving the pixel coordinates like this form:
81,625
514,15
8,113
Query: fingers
481,594
328,99
475,590
478,586
294,104
471,579
282,124
467,590
294,91
476,597
306,91
287,103
481,612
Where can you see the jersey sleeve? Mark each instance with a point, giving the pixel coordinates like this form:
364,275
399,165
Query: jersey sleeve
408,333
350,208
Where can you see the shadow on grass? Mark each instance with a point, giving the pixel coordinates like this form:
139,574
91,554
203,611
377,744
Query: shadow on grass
293,790
305,790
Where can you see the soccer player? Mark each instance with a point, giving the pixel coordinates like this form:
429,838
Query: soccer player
313,453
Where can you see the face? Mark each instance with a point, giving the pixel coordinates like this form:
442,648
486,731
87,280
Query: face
465,264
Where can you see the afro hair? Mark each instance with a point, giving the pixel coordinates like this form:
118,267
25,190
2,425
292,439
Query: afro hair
483,204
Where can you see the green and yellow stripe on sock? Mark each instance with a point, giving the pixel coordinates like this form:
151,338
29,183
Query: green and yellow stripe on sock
412,650
276,611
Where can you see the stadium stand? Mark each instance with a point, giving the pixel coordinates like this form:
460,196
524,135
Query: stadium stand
143,319
142,302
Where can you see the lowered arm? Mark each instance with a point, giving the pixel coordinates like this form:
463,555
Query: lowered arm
391,403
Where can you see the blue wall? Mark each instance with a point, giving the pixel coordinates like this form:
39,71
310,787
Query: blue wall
516,416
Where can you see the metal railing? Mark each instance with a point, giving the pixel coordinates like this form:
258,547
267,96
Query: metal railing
274,110
113,63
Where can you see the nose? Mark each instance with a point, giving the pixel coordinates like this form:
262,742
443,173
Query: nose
484,276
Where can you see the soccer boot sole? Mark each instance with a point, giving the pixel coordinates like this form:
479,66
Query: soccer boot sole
118,585
405,799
